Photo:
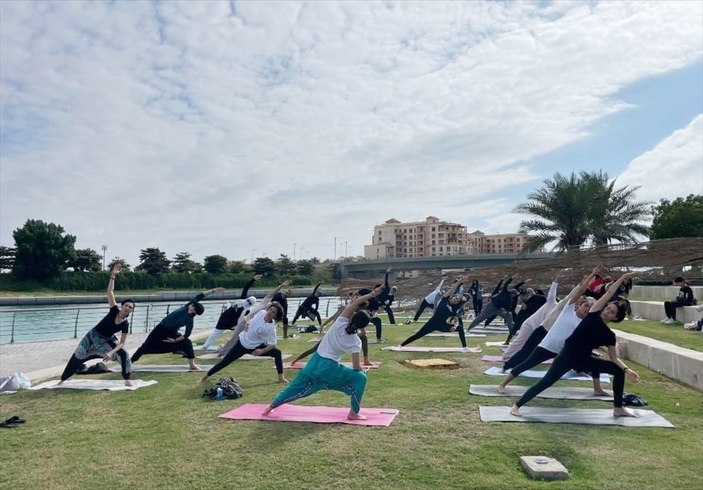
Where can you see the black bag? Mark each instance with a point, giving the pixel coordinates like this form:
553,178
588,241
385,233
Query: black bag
632,400
230,389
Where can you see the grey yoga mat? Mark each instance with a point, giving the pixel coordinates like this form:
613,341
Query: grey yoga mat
555,392
162,368
587,416
94,384
530,373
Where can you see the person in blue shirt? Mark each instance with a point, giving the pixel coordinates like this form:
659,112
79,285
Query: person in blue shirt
166,336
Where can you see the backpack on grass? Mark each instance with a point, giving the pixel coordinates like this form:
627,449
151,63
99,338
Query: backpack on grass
230,389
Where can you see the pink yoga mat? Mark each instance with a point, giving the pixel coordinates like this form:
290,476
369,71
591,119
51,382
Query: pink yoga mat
321,415
500,359
301,365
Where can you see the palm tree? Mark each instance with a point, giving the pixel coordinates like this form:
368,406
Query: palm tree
571,211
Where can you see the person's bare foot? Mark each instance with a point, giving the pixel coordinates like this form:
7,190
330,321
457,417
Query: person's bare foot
128,382
368,363
501,389
282,379
515,411
60,382
267,411
202,380
601,393
194,367
355,416
623,412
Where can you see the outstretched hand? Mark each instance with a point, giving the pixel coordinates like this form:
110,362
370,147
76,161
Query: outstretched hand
117,268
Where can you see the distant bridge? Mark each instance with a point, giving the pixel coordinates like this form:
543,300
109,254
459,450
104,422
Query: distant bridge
367,269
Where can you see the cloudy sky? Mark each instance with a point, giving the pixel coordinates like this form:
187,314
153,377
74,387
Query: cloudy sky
252,129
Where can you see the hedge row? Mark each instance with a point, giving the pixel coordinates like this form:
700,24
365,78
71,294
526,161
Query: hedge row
97,281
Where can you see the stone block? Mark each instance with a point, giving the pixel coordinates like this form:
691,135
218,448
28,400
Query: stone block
544,468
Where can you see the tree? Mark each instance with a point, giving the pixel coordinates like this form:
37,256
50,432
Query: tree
264,265
305,268
614,215
571,211
153,261
125,266
43,250
86,260
182,264
237,267
285,266
7,258
215,264
678,219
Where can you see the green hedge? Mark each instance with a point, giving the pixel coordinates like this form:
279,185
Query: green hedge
97,281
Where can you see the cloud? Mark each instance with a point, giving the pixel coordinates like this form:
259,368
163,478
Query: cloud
218,127
673,168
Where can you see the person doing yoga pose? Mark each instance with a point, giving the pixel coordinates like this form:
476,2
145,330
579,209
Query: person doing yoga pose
577,354
324,371
100,341
448,307
166,336
230,317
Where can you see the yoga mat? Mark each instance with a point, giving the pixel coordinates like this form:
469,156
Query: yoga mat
245,357
500,359
530,373
162,368
588,416
302,364
410,348
453,334
94,384
555,392
489,331
300,413
495,344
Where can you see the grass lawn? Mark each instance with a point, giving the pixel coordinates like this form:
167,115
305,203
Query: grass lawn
674,334
167,436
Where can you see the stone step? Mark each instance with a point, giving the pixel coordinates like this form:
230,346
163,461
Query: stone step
654,310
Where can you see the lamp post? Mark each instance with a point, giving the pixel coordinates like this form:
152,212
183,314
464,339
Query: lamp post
252,255
104,249
335,248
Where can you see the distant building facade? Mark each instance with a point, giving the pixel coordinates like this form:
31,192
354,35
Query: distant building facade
433,237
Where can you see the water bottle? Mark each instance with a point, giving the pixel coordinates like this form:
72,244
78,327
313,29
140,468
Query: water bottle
220,394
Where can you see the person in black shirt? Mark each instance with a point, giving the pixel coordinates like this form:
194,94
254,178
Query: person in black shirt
100,341
476,292
308,308
229,318
281,297
577,353
685,298
386,298
501,303
448,307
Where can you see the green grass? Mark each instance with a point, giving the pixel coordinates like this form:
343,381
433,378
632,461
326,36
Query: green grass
674,334
167,436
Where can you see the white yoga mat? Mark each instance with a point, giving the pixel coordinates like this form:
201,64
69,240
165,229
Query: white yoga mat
588,416
495,344
410,348
489,331
530,373
94,384
245,357
555,392
453,334
163,368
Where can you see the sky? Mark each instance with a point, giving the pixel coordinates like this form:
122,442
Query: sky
255,129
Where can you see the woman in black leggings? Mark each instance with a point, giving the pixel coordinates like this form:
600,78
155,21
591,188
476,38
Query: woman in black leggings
591,333
448,307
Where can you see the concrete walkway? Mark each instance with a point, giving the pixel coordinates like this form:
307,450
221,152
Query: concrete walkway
47,359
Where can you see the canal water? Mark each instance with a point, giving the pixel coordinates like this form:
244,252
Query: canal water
34,323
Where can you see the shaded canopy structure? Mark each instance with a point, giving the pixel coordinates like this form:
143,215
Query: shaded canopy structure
659,261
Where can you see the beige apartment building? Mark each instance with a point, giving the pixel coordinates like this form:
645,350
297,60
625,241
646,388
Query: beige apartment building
432,237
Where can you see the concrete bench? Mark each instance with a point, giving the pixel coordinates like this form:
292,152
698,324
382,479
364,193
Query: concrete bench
654,310
679,363
664,292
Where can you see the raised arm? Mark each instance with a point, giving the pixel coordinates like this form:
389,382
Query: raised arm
111,284
583,285
386,286
600,304
316,288
455,287
354,305
264,302
245,291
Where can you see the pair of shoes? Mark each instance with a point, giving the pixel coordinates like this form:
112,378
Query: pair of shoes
380,341
690,326
665,320
669,321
